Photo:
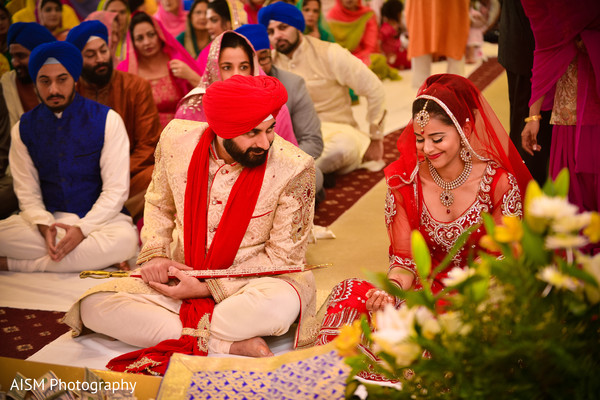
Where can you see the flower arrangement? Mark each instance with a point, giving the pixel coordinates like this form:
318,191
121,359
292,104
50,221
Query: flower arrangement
521,321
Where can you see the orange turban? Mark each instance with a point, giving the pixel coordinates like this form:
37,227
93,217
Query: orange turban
239,104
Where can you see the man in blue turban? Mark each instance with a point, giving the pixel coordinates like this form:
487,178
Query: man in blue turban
306,123
17,85
329,70
69,158
18,95
129,95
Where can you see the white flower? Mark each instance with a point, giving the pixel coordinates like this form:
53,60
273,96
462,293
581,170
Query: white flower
565,242
451,323
429,325
571,224
458,275
551,207
554,277
395,325
591,265
393,335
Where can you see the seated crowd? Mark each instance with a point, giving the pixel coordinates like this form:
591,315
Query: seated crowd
208,136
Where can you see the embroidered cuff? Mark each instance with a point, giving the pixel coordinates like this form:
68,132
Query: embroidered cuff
406,264
216,290
149,253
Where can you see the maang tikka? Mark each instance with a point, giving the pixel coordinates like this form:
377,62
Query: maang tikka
422,117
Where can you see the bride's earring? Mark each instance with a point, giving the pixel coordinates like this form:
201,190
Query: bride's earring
465,154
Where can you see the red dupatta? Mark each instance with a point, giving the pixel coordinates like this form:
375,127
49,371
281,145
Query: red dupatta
195,314
488,141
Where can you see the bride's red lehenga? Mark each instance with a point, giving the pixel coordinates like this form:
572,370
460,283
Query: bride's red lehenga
501,186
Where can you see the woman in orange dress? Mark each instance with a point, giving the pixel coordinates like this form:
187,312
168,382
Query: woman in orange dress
436,28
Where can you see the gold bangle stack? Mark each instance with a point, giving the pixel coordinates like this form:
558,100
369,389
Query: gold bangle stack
533,118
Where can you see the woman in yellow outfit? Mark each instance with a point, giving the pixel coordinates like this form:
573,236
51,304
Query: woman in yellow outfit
57,17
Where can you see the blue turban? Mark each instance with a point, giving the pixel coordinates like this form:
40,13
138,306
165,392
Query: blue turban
256,34
29,35
66,54
80,34
282,12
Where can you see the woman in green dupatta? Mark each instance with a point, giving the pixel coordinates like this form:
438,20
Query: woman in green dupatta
316,25
354,27
195,37
121,7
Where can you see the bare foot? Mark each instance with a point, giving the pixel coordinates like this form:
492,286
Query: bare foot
123,266
3,264
253,347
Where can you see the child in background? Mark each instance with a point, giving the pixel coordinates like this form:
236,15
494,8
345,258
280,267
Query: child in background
482,14
392,35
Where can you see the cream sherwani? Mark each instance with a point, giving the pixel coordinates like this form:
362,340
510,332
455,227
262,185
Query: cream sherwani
277,235
329,70
11,96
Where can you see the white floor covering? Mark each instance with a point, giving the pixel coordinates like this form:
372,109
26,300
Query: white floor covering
48,291
56,292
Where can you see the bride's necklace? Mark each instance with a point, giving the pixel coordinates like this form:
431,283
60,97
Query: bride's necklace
446,197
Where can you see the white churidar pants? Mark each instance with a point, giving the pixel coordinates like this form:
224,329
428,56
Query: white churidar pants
25,247
264,307
421,68
343,148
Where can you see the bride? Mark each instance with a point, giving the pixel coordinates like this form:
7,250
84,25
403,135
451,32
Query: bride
456,162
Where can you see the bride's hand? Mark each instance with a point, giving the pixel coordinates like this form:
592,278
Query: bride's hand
377,299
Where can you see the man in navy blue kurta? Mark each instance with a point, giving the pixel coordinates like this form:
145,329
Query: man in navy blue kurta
70,163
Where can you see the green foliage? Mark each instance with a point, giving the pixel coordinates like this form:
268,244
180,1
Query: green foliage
522,326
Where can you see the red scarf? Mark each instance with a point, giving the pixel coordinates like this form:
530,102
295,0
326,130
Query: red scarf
195,314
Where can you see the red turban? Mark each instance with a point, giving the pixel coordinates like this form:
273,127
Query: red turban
239,104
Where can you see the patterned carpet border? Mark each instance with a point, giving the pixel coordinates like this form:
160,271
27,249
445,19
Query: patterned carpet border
351,187
24,332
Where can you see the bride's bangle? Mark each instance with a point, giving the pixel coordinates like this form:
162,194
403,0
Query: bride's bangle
396,283
537,117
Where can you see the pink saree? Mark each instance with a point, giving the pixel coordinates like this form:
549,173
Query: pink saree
191,108
570,35
174,24
169,89
238,16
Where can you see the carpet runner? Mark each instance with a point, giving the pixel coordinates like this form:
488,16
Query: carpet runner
24,332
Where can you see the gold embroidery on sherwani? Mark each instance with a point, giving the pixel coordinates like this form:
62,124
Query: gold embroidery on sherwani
564,110
149,253
216,290
202,332
267,241
143,361
302,189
